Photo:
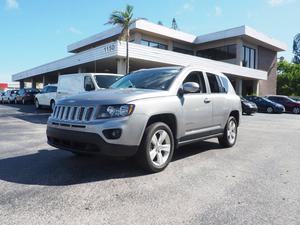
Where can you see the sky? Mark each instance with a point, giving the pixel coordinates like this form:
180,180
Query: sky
36,32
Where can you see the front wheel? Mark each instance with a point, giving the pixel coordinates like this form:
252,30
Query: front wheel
157,147
296,110
230,133
270,109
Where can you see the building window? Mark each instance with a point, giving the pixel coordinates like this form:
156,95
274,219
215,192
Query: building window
184,51
219,53
249,57
154,44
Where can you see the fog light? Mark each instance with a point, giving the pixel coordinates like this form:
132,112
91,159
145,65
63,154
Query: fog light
112,133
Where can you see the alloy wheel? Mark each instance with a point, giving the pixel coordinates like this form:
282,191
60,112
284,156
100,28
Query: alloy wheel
296,110
231,132
269,109
160,148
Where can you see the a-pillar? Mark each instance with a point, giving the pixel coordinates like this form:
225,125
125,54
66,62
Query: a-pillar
33,83
22,84
239,86
121,66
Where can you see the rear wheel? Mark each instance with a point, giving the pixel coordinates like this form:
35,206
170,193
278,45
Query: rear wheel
296,110
230,133
270,109
157,147
52,105
37,104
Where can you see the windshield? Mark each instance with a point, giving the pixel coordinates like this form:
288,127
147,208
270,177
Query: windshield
104,81
156,79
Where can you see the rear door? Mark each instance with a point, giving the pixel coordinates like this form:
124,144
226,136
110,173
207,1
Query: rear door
220,101
42,96
197,108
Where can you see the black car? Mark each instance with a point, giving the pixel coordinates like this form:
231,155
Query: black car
248,107
266,105
26,95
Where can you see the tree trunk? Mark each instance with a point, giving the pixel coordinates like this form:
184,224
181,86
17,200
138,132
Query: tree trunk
127,51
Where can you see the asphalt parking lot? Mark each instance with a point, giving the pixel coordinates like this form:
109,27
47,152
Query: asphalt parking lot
255,182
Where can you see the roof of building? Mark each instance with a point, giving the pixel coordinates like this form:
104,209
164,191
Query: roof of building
246,32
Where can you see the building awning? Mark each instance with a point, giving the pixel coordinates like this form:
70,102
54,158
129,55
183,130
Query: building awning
117,49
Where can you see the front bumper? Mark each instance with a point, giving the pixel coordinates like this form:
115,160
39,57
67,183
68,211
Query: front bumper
85,142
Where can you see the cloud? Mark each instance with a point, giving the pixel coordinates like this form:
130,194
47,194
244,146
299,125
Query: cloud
74,30
218,11
274,3
11,4
186,7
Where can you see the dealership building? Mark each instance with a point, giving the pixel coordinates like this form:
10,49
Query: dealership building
247,57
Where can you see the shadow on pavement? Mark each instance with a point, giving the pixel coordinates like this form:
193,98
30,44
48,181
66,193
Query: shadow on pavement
59,168
25,112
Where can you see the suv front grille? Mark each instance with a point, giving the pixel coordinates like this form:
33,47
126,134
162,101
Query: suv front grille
73,113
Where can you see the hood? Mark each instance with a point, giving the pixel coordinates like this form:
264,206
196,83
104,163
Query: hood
112,96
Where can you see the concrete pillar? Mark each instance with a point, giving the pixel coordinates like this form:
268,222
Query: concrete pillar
80,70
170,45
33,83
239,86
44,81
121,66
256,87
22,84
138,38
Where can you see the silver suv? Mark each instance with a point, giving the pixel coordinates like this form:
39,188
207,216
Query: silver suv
148,114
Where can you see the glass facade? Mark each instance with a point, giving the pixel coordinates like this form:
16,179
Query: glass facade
219,53
184,51
154,44
249,57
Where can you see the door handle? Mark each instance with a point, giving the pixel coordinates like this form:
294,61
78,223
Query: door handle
207,100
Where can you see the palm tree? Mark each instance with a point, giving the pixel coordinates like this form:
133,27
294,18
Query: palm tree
124,20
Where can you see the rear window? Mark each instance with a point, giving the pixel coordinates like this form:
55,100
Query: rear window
105,81
215,83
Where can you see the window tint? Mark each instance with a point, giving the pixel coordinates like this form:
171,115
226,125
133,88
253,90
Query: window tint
219,53
214,83
88,84
225,84
196,77
105,81
52,89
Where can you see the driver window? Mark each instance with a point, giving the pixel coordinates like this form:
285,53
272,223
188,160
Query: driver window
196,77
88,84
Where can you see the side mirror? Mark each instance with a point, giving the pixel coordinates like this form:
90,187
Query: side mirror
191,87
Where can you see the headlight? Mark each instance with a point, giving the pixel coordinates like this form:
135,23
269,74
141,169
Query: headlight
110,111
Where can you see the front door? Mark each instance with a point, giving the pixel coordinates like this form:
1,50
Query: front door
197,108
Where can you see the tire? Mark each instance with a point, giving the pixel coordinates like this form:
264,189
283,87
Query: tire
230,133
157,148
52,105
36,103
249,113
270,109
296,110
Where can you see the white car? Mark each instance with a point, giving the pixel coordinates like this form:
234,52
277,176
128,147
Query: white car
9,96
46,97
72,84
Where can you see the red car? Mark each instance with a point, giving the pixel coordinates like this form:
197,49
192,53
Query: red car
290,104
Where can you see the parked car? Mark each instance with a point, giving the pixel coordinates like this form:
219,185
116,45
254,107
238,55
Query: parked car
248,107
46,97
297,99
289,104
9,96
266,105
147,114
26,95
72,84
